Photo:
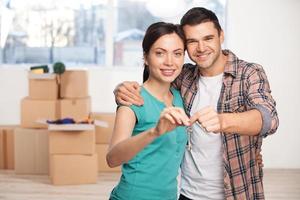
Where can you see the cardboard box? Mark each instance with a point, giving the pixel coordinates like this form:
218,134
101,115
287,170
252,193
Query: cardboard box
7,157
43,86
78,109
33,110
72,142
31,151
103,134
101,150
73,169
74,84
71,127
2,154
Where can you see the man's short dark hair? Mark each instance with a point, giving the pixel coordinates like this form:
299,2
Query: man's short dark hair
198,15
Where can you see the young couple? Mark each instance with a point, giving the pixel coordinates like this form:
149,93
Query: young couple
220,108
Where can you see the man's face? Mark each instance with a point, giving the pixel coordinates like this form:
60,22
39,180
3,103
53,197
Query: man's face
203,44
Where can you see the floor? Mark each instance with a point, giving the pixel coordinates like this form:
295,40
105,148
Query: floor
279,184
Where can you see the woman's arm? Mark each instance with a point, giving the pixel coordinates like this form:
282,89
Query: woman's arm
124,147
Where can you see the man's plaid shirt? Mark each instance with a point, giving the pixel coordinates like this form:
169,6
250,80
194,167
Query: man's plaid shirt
245,87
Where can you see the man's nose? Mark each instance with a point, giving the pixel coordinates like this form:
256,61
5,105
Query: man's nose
200,46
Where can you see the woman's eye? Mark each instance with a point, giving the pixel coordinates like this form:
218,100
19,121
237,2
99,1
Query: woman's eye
159,53
178,54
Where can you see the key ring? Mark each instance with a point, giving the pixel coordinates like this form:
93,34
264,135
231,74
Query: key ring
203,129
189,133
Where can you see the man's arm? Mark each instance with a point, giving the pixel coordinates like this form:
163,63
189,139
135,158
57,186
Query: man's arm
245,123
259,119
128,92
259,97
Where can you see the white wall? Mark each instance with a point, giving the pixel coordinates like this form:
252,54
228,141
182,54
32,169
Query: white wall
103,82
268,32
262,31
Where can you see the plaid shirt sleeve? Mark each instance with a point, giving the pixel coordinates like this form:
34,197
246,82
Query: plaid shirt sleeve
259,97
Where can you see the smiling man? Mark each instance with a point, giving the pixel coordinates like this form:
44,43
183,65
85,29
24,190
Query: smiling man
230,102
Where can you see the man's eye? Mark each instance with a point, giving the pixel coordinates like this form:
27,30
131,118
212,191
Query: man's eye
191,42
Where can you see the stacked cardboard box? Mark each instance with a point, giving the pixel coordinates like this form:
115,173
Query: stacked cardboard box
31,140
72,154
7,147
72,150
31,151
103,135
75,101
42,151
42,102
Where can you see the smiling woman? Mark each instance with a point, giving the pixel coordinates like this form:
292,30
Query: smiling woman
103,32
149,140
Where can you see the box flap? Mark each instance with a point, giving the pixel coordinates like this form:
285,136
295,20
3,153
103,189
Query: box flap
41,76
71,127
101,123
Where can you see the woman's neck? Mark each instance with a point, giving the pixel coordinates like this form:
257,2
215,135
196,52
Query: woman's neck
160,90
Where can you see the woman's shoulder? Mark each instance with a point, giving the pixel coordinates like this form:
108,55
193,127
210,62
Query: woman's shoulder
177,101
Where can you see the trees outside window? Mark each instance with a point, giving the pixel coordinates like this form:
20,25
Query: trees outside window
96,32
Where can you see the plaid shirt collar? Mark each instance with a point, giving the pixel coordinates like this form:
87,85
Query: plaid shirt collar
231,66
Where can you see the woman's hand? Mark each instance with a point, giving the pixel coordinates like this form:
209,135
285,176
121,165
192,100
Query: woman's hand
170,118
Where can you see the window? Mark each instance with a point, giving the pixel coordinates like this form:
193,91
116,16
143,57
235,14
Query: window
90,32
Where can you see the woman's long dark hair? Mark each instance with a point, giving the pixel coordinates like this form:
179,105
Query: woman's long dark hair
153,33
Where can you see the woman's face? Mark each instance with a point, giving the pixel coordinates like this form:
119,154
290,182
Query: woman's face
165,58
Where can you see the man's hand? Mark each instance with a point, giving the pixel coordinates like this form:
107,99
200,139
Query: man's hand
170,118
208,119
128,93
